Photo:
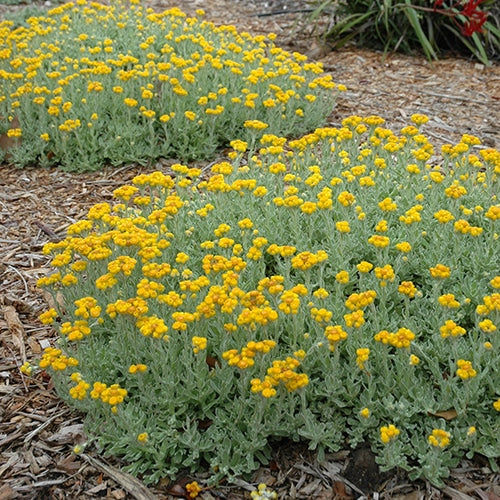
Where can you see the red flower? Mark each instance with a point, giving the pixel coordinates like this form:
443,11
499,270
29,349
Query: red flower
474,25
470,10
475,18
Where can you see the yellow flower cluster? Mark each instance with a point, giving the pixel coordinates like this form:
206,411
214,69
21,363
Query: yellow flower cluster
450,328
464,227
244,359
193,489
465,370
87,307
401,338
440,271
152,72
55,359
138,368
439,438
123,264
27,368
335,334
257,315
356,319
255,124
364,266
360,300
321,315
289,302
280,371
491,303
273,285
385,274
143,437
79,391
408,288
362,355
412,215
448,300
263,493
199,344
487,326
388,433
414,360
379,241
306,260
48,317
365,412
135,307
75,331
112,395
443,216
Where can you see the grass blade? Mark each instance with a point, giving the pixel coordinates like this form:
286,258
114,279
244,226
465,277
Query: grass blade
415,23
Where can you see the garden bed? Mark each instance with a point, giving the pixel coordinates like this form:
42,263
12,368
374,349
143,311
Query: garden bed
38,205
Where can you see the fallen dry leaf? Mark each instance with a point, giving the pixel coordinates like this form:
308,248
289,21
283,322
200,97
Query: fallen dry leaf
70,464
21,306
7,493
15,328
96,490
118,494
447,415
340,491
34,346
178,491
29,458
67,435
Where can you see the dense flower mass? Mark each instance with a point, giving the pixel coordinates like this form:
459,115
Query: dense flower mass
284,294
145,85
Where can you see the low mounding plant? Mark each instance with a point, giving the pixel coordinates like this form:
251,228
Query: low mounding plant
338,288
432,26
90,84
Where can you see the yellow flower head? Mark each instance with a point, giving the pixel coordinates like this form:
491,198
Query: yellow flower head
414,360
364,267
142,437
440,271
342,277
419,119
439,438
465,370
48,317
388,433
365,413
362,355
255,124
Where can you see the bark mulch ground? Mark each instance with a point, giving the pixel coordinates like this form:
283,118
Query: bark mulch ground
38,431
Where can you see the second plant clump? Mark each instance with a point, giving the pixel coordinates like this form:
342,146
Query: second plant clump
341,287
89,84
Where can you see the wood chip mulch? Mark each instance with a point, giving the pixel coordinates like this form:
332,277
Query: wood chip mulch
38,431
